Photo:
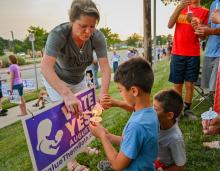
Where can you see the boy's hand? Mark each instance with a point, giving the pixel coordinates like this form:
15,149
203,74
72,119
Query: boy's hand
107,101
98,130
202,31
184,3
213,127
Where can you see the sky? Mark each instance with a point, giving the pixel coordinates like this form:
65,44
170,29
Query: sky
124,17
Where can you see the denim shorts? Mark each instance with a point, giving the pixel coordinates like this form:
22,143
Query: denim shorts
18,87
184,68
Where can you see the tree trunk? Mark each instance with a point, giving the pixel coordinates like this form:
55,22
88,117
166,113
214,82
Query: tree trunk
147,30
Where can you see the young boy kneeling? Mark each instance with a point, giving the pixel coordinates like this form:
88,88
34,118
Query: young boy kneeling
139,141
172,156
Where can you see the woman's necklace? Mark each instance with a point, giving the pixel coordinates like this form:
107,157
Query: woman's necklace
81,50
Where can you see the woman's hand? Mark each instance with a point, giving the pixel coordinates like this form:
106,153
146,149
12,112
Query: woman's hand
72,104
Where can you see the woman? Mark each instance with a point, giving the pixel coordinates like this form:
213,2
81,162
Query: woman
68,52
16,82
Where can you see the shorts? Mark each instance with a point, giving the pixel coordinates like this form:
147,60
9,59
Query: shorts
209,73
54,95
184,68
18,87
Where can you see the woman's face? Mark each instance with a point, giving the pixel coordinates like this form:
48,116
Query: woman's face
84,27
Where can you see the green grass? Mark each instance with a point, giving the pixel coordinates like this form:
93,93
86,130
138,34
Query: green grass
14,153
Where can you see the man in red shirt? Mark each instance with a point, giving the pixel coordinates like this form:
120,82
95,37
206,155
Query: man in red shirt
185,60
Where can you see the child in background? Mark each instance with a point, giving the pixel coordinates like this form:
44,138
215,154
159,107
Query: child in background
138,143
172,156
41,99
16,82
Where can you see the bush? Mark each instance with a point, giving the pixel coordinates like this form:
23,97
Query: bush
21,61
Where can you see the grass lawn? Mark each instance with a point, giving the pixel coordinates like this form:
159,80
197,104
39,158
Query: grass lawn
14,153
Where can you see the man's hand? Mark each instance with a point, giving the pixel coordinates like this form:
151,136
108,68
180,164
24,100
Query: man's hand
215,17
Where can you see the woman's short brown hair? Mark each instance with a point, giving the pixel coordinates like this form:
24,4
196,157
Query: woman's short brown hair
83,7
13,59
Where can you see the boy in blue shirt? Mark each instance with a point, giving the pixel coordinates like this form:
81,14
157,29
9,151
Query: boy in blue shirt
139,141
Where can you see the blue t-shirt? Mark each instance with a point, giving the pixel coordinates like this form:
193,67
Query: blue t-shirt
140,140
213,43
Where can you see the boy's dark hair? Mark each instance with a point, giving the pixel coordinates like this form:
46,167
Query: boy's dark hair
170,101
135,72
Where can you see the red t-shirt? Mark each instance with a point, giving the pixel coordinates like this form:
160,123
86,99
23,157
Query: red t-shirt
185,42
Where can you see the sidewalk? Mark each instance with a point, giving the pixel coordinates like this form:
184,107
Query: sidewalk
14,111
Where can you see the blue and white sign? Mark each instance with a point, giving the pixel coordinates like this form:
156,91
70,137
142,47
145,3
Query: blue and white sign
29,84
5,90
54,137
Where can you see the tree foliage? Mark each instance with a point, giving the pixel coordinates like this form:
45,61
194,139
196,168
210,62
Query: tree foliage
111,38
3,45
40,36
134,39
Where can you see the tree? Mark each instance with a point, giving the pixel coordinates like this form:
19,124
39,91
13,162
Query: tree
3,45
40,37
134,39
111,38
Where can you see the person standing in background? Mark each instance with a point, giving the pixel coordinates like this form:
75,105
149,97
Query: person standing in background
115,61
16,82
185,59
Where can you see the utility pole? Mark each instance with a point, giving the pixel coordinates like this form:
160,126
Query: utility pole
155,35
13,41
147,30
32,39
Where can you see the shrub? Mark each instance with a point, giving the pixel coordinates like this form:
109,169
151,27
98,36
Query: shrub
21,61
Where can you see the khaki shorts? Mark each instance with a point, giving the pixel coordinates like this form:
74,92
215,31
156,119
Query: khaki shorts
54,95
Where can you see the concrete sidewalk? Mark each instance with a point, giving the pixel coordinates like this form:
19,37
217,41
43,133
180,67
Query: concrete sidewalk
14,111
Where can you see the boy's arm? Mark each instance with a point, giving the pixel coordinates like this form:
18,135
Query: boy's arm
122,104
109,102
176,13
114,139
118,160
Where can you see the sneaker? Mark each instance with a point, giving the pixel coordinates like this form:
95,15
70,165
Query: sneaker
190,115
3,111
104,165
